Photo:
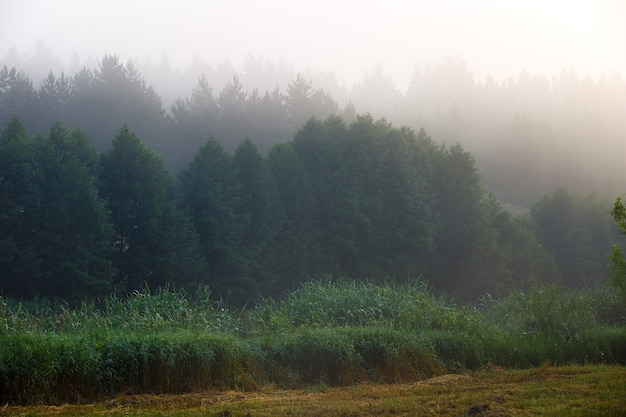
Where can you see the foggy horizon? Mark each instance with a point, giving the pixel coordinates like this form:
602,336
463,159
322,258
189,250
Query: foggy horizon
349,39
541,123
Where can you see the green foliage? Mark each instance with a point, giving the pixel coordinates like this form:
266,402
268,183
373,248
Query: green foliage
316,304
577,232
619,215
469,256
339,356
154,240
617,267
367,201
550,309
75,233
20,193
18,98
57,236
617,270
372,196
336,332
55,368
353,197
297,249
115,93
258,216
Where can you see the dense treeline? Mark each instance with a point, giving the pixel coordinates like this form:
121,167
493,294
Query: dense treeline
93,210
364,200
529,134
99,101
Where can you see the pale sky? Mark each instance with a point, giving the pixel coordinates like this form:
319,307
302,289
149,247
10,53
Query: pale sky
496,37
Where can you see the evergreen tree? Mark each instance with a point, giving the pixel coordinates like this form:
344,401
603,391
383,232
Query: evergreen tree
56,235
75,236
17,97
303,102
371,185
258,217
527,259
297,251
577,232
319,145
232,109
115,94
266,119
467,259
20,194
155,243
395,174
54,96
194,119
208,192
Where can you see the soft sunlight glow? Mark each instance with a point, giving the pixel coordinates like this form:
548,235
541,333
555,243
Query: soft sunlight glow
494,37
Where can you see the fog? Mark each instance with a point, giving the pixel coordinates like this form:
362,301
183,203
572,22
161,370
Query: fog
534,89
348,37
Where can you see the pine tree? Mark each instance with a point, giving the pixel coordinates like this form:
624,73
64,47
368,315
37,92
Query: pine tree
75,236
208,193
155,243
20,194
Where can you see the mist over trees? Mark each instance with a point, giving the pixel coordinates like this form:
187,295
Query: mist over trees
529,134
107,187
364,200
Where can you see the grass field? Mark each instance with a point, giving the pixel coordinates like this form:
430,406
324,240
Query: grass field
597,390
333,340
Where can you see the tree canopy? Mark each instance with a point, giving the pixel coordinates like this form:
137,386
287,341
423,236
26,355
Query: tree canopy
255,192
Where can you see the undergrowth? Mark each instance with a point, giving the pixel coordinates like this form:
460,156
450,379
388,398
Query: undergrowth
326,332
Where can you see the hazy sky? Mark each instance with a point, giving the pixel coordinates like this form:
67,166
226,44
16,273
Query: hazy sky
496,37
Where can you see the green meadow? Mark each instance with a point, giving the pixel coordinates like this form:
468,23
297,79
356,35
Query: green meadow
330,333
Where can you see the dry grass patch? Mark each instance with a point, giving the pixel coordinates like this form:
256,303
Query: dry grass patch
547,391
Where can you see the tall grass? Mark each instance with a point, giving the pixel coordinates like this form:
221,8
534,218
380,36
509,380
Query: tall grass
322,304
331,332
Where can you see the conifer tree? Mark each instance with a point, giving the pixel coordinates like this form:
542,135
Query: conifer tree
155,242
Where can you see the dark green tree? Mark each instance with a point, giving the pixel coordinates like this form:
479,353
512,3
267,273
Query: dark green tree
528,260
208,191
388,172
258,216
577,232
20,194
374,211
617,268
467,260
74,234
297,252
319,146
56,236
155,242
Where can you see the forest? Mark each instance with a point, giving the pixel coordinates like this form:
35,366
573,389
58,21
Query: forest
530,133
105,190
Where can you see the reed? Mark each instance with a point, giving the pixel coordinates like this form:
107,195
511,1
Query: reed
327,332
